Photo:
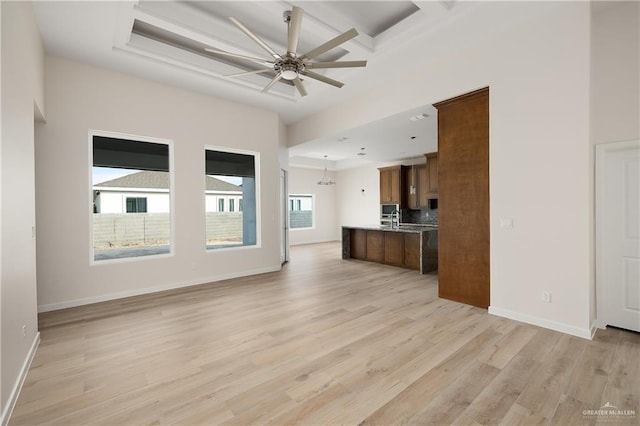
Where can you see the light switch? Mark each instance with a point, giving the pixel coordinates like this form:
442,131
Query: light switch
506,223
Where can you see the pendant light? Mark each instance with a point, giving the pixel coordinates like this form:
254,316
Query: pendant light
325,179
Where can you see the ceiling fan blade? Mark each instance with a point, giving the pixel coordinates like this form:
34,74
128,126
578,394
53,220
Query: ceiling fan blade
334,42
323,79
263,62
255,38
294,31
300,86
240,74
341,64
272,82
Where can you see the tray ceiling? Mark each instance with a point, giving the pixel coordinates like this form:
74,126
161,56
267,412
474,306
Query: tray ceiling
165,41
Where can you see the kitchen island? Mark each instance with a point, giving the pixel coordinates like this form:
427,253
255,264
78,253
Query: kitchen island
406,246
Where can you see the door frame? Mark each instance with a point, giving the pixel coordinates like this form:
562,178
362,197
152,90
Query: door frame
602,151
284,217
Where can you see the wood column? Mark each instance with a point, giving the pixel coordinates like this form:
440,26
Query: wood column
463,180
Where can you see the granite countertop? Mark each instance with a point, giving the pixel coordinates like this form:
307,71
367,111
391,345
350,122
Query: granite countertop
402,228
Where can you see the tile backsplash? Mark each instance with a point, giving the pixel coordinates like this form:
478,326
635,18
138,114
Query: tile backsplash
422,216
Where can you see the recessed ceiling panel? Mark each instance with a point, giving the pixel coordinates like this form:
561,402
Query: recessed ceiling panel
374,18
265,20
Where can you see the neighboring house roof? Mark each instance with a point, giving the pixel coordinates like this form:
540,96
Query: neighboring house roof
160,180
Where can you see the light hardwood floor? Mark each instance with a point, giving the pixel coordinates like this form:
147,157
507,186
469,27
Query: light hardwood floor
325,341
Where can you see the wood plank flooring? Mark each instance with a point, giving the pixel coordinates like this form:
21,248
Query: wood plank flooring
326,341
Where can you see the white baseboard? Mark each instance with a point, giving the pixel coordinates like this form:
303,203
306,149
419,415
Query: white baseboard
148,290
542,322
594,328
17,387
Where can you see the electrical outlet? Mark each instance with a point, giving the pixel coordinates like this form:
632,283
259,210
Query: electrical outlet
546,296
24,331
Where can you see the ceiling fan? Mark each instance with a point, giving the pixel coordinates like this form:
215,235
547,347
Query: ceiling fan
290,66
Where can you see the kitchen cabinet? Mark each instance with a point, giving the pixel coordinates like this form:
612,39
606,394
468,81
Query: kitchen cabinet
394,248
359,244
431,178
412,251
409,248
392,183
418,176
375,246
463,203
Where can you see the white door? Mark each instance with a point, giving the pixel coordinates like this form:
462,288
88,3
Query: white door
284,218
618,234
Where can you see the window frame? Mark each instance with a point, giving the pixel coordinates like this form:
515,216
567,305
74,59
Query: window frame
258,197
136,138
313,211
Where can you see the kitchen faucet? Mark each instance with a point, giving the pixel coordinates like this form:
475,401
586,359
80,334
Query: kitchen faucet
395,218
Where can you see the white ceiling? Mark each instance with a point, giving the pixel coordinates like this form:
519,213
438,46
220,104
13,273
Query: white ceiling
165,40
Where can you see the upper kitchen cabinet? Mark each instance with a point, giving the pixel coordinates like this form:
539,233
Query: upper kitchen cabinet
431,190
422,183
392,183
416,179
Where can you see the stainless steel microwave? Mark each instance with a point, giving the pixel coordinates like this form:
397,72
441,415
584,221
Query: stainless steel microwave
386,211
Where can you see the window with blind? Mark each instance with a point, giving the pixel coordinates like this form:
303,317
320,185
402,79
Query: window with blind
131,191
231,196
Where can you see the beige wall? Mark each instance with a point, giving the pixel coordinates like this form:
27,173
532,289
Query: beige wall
354,206
538,74
22,101
82,97
304,181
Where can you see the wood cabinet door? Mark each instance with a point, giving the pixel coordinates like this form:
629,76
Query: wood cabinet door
463,198
375,246
411,178
423,186
412,251
394,248
359,244
432,170
394,191
385,186
392,185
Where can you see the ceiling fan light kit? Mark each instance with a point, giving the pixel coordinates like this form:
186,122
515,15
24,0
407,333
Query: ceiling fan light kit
292,66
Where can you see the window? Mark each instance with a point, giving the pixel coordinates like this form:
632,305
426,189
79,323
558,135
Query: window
300,211
136,205
231,181
131,189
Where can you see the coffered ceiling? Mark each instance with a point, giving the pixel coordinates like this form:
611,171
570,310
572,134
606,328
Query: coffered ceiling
166,40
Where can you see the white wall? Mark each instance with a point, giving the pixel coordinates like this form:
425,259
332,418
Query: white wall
615,85
211,202
22,101
356,207
116,202
538,74
304,181
82,97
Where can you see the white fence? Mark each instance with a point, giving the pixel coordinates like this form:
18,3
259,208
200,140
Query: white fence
136,229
